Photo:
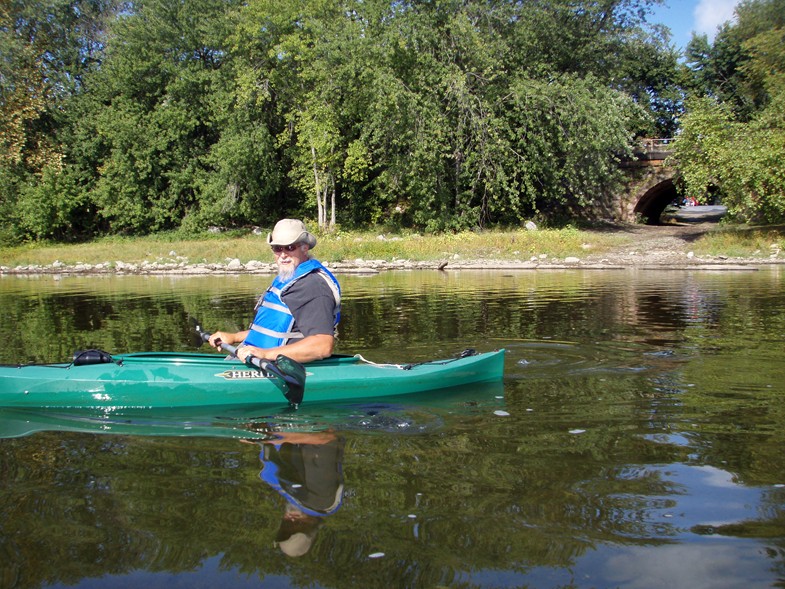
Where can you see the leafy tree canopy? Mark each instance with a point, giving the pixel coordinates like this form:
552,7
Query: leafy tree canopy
434,114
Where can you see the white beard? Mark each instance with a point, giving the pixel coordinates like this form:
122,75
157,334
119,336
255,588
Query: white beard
286,273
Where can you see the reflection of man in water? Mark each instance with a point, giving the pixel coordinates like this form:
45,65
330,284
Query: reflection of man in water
306,469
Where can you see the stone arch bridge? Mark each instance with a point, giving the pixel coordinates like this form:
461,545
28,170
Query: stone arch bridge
650,187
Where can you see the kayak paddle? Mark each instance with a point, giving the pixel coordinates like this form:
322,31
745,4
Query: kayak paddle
289,373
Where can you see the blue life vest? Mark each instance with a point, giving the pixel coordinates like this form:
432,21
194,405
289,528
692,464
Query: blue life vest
272,325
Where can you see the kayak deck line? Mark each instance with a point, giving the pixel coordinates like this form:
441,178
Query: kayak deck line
464,354
121,359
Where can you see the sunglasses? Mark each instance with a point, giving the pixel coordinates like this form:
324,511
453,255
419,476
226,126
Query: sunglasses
289,248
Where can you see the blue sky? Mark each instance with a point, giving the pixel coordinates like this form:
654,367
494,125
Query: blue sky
685,16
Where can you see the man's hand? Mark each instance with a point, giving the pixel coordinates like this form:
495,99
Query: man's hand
222,336
244,351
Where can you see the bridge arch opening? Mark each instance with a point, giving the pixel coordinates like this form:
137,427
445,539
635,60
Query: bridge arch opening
653,202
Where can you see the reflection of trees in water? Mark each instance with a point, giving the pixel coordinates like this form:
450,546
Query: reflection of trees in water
478,496
395,313
698,358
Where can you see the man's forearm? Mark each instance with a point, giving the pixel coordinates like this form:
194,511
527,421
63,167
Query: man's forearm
308,349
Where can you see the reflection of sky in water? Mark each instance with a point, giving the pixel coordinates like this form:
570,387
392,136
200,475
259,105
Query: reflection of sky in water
713,491
693,561
697,560
711,565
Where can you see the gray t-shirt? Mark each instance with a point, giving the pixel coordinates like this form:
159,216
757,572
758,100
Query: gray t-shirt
312,304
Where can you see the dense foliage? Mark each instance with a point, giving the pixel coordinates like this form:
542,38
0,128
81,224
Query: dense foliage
733,139
436,114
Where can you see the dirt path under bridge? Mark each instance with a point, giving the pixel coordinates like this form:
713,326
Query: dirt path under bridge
671,246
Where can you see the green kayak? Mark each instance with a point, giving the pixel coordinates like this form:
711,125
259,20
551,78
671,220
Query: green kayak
158,380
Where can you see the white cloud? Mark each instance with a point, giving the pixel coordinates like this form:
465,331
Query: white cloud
710,14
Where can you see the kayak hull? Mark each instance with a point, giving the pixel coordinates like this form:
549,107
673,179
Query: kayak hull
157,380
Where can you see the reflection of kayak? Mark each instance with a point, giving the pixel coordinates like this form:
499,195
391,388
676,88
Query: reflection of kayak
179,380
16,423
415,414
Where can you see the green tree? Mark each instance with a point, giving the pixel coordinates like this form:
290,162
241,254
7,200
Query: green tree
462,139
733,138
311,56
47,48
732,68
174,138
150,119
743,161
610,40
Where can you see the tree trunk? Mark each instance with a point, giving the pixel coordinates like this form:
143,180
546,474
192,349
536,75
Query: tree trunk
317,189
332,207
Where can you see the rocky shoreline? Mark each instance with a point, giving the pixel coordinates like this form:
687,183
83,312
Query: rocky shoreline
667,248
632,260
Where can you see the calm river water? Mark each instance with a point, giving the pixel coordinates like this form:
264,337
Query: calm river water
637,441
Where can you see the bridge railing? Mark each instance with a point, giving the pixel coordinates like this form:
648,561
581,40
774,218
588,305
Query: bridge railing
659,144
649,152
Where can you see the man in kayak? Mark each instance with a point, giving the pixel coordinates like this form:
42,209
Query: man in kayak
298,314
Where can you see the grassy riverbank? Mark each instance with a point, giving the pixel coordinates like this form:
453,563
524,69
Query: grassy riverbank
333,247
339,246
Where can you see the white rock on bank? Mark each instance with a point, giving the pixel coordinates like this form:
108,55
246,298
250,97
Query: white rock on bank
256,265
